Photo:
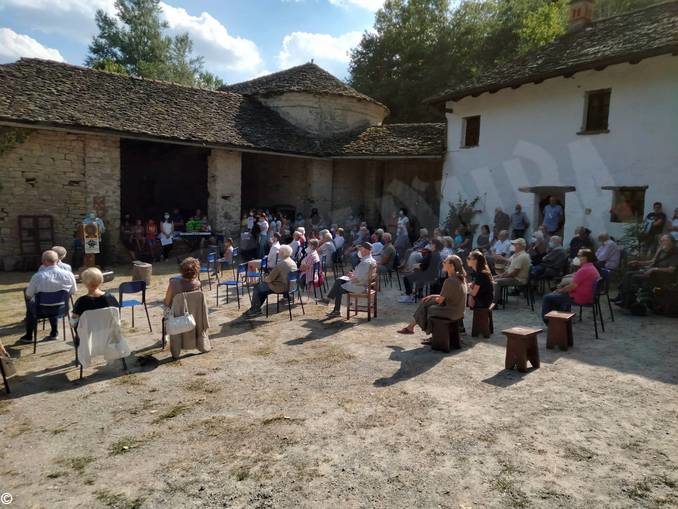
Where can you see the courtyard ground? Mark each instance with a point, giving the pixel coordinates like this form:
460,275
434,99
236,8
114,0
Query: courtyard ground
329,413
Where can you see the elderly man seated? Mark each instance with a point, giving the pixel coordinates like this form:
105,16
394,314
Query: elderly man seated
274,282
608,253
500,251
553,264
355,281
661,270
61,252
50,279
518,270
272,258
579,291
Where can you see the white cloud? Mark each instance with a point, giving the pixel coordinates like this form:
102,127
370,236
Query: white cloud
370,5
14,46
222,51
73,19
326,50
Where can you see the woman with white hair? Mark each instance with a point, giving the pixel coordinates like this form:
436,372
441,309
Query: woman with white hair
327,247
96,298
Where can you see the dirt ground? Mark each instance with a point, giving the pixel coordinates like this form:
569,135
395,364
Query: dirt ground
329,413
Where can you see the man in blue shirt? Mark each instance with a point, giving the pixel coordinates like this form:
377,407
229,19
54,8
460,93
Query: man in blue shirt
553,216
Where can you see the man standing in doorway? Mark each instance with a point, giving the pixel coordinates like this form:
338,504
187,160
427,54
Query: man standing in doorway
519,223
553,216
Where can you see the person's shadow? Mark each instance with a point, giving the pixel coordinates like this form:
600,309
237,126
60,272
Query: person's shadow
412,363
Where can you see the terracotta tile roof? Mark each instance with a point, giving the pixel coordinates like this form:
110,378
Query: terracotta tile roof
628,37
405,139
43,93
309,78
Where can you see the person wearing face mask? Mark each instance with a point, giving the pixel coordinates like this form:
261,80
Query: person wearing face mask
554,262
166,235
519,223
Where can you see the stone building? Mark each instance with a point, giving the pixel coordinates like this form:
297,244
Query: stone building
74,140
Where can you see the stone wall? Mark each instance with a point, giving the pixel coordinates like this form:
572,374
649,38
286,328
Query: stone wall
63,175
224,190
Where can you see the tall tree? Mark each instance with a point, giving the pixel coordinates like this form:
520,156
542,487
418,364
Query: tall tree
419,47
136,44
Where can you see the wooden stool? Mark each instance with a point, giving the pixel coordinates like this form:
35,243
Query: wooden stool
521,346
482,322
445,334
559,330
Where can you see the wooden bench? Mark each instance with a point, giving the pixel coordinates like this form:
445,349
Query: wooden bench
445,334
521,346
559,330
483,324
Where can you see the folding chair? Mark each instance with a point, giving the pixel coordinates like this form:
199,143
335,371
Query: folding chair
605,290
370,295
338,262
595,306
210,267
237,282
317,268
133,287
293,289
76,345
50,305
527,288
323,267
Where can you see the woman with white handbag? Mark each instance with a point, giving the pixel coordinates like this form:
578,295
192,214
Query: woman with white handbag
186,320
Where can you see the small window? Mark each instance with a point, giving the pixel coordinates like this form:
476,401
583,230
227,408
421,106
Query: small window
597,110
628,205
471,131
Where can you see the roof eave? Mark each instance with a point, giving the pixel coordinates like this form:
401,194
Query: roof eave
567,72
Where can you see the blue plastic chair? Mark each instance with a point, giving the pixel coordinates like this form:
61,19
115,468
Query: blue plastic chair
236,282
50,305
209,267
133,287
293,289
262,269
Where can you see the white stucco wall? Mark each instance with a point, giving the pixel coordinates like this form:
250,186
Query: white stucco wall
528,137
325,115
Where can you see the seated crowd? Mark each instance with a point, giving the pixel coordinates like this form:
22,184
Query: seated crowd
445,271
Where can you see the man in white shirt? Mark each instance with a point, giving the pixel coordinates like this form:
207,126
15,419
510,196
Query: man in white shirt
502,246
273,252
354,281
50,279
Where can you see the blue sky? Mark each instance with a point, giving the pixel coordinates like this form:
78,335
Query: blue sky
240,39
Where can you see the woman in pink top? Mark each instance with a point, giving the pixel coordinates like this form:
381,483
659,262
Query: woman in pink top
579,291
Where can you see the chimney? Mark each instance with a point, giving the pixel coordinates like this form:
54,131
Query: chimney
581,14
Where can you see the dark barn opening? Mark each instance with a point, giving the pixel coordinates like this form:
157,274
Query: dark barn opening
157,177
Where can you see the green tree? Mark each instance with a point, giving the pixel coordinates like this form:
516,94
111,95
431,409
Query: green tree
136,44
420,47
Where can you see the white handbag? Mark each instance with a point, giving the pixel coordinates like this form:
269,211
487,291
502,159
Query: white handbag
179,324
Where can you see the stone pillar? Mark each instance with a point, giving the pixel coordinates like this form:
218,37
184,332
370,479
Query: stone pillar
320,172
224,174
102,188
372,192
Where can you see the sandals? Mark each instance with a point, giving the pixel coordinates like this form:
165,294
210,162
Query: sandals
405,330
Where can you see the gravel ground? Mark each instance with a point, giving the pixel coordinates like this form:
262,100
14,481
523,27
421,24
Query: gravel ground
321,413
